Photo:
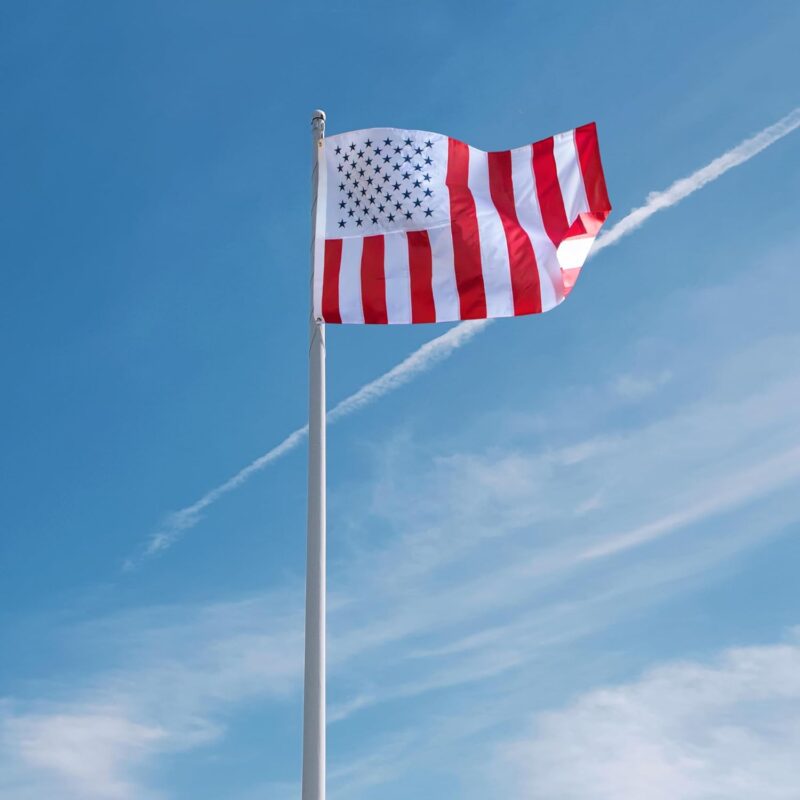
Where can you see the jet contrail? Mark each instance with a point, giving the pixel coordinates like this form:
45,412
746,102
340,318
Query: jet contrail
421,360
658,201
440,348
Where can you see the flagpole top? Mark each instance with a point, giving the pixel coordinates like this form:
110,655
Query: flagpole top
318,117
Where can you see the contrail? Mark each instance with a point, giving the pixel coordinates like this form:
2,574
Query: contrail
440,348
180,521
421,360
658,201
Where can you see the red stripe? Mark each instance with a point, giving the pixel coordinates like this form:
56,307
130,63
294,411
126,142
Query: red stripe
466,239
592,168
330,280
373,281
420,266
521,258
548,189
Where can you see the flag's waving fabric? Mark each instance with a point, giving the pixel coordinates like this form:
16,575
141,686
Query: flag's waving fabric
418,227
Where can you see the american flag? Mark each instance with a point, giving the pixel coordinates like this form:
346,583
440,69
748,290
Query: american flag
415,226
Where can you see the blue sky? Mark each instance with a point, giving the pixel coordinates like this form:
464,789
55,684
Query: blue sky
562,559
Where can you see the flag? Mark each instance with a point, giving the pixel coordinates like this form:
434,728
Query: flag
413,226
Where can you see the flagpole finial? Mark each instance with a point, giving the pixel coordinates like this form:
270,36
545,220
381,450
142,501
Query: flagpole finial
317,117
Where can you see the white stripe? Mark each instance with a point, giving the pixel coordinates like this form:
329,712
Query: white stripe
398,277
570,176
445,290
530,218
350,306
494,246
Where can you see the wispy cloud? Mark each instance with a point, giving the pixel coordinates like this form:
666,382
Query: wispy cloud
724,729
449,548
476,581
442,347
637,387
176,670
90,753
737,489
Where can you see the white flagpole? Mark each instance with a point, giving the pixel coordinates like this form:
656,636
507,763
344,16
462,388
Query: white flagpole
314,679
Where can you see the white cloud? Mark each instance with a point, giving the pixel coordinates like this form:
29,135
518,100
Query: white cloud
89,754
505,541
176,672
732,491
725,730
478,577
467,567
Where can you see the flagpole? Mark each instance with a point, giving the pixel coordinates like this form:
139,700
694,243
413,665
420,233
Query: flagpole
313,787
